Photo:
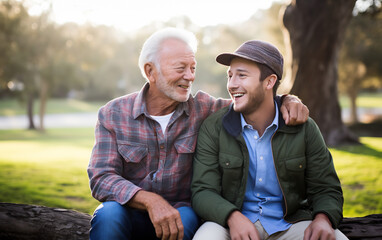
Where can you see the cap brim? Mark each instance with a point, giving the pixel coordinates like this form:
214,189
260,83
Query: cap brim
226,58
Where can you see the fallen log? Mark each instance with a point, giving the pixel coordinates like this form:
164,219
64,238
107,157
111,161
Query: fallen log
21,221
368,227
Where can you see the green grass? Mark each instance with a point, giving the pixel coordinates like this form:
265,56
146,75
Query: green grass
46,169
12,107
360,172
50,169
365,100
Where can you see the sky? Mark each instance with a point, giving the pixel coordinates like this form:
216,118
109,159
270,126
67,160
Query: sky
128,15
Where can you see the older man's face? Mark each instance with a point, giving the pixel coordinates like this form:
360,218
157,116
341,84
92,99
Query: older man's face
177,73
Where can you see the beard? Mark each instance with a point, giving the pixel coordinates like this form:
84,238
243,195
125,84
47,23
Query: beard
252,104
172,90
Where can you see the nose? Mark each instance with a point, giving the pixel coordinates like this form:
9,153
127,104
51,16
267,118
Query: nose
231,83
189,74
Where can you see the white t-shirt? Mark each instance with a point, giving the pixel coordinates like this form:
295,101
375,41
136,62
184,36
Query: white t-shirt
163,121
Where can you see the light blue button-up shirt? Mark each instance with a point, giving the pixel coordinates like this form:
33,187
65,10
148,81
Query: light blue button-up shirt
263,197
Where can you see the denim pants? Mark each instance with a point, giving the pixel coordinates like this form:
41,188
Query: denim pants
111,220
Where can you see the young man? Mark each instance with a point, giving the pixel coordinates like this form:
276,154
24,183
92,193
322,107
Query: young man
141,162
253,176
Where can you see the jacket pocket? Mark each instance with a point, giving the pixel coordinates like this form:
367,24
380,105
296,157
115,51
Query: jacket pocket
231,168
296,164
294,182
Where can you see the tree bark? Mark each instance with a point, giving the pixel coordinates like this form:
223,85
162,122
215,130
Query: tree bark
316,30
368,227
21,222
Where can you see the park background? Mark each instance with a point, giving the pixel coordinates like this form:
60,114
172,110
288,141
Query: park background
56,72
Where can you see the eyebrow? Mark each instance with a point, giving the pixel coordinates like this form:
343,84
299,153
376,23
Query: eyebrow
238,70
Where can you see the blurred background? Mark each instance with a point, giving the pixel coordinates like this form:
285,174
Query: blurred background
60,60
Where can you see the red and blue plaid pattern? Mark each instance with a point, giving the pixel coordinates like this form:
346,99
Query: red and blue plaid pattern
131,153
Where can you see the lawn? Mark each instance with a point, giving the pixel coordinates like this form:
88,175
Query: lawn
46,169
364,100
50,169
12,107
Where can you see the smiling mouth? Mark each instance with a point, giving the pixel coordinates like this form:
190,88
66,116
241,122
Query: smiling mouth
184,86
237,95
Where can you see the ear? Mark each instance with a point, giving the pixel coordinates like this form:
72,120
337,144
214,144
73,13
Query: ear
270,81
150,71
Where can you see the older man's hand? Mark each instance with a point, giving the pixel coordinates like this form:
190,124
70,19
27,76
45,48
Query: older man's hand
165,218
293,110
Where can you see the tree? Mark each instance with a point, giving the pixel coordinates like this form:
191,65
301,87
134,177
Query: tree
19,51
361,54
351,74
316,30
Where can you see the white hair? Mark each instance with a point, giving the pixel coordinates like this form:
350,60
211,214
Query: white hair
152,45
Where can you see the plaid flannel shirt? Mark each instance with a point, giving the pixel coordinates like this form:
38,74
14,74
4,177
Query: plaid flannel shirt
131,153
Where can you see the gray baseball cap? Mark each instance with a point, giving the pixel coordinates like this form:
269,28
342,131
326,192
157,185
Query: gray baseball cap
259,52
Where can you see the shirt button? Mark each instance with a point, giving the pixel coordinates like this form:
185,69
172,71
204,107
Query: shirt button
258,194
227,164
261,158
300,166
260,179
162,146
256,137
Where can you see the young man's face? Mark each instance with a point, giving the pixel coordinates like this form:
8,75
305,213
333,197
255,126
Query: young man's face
244,86
177,62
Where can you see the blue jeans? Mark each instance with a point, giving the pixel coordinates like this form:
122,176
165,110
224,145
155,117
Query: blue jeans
111,220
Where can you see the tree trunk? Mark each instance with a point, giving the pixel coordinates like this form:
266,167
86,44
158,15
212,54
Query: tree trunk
316,30
353,107
43,99
30,103
21,222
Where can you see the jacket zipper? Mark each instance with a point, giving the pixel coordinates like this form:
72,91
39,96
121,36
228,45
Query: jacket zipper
277,175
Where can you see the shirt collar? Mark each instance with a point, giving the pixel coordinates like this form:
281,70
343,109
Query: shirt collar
141,108
275,121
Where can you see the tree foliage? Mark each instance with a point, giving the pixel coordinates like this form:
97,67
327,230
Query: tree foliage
41,59
361,54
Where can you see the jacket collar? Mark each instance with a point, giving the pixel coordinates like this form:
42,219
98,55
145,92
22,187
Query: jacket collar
232,120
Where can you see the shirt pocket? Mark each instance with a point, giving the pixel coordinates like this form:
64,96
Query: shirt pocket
186,144
185,148
133,154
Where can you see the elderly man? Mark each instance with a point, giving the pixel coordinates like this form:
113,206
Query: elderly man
141,162
253,174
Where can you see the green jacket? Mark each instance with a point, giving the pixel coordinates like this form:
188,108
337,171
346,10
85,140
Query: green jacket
304,168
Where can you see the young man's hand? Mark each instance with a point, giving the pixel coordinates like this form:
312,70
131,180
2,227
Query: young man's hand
293,110
240,227
320,228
